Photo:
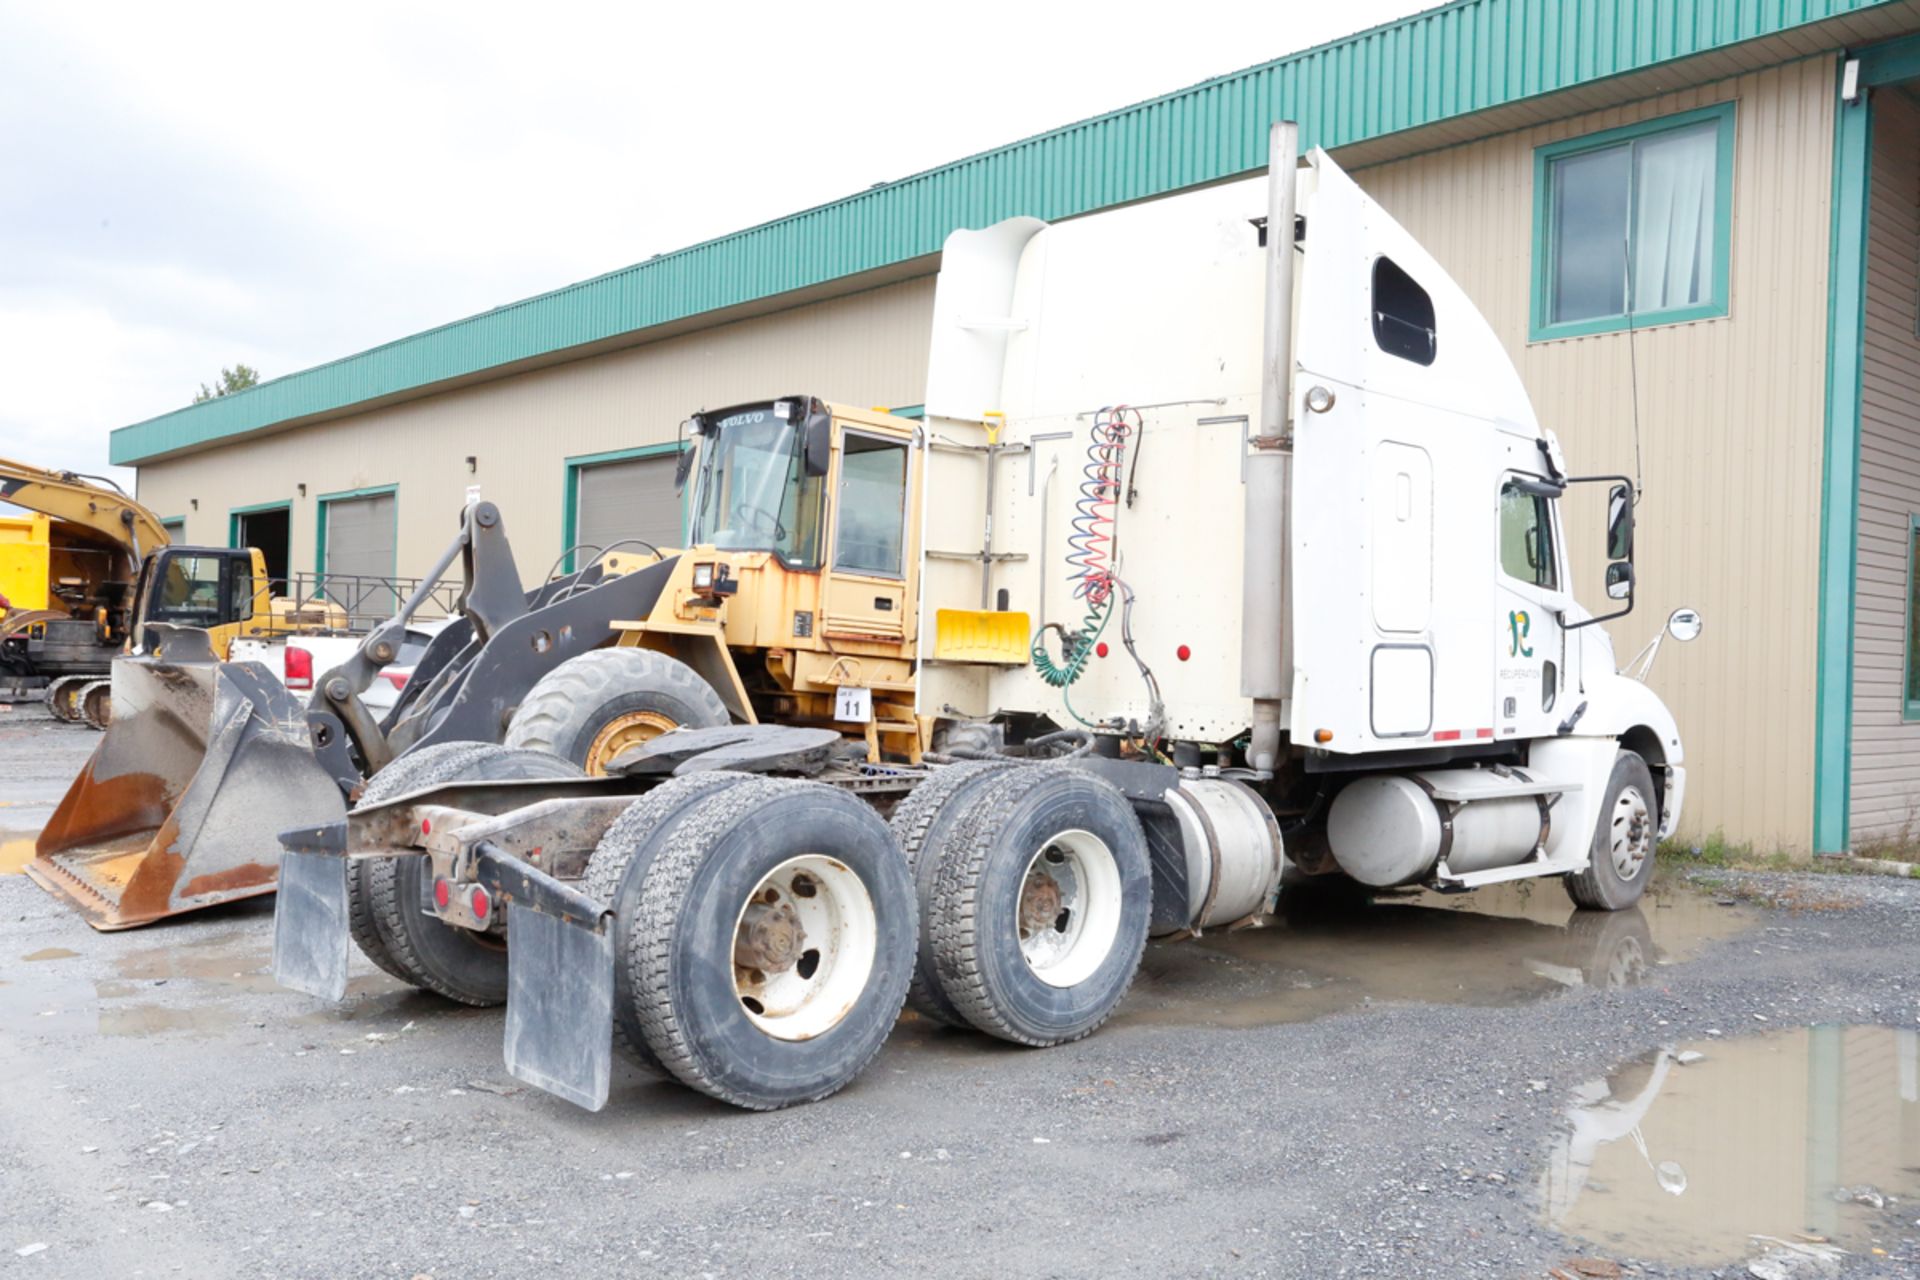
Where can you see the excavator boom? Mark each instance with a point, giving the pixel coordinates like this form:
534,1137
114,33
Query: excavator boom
90,502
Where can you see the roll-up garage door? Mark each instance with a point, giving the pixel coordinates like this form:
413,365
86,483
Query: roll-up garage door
633,498
362,541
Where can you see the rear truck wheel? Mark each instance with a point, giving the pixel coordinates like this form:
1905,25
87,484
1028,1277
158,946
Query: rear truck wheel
393,896
1620,863
616,871
771,943
95,700
591,708
921,824
1040,906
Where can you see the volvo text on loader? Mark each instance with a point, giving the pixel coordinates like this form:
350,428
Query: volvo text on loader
1230,547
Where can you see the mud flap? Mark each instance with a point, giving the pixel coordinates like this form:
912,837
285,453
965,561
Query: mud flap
559,1033
310,927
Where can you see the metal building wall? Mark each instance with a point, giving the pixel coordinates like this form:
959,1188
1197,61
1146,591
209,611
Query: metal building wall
867,348
1885,777
1731,427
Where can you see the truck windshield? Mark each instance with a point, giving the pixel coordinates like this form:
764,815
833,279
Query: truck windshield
754,493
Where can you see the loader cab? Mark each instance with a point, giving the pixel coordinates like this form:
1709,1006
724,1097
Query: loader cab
826,491
205,587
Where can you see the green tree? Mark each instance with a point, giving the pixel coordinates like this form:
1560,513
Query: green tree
238,378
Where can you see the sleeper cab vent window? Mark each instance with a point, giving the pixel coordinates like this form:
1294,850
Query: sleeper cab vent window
1402,314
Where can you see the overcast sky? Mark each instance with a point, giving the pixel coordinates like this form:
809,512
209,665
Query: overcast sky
187,185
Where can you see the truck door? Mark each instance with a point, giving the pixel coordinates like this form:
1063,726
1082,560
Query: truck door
866,592
1530,645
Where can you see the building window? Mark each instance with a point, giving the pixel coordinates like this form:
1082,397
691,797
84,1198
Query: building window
1913,618
1632,227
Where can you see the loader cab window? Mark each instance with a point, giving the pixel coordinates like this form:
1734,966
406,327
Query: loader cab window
1402,314
1527,552
871,535
754,492
198,589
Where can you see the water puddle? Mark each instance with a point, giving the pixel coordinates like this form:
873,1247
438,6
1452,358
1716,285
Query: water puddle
16,851
1502,945
1793,1142
250,970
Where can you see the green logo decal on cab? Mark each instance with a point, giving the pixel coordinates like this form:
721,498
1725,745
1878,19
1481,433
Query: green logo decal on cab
1519,623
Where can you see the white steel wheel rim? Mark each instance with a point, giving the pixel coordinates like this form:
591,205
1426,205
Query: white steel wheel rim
1632,832
807,992
1068,913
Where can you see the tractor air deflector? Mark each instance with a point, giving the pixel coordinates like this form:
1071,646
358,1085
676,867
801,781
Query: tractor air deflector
181,803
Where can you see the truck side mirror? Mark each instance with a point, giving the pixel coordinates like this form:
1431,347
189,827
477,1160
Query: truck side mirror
819,440
1620,580
682,469
1619,528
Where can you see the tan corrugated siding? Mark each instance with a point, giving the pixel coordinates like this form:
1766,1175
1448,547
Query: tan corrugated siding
1731,425
1885,791
867,348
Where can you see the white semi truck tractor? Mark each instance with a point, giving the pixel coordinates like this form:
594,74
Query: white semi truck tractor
1229,552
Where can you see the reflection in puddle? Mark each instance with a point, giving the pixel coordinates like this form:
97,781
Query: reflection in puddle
1805,1137
1501,945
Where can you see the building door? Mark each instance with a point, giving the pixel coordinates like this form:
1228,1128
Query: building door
629,501
358,553
1884,763
271,530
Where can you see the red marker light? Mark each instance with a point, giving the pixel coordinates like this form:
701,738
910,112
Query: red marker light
442,892
1183,653
426,826
1100,650
478,899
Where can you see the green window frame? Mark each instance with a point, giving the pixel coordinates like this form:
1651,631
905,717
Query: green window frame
1910,668
570,495
1541,328
176,527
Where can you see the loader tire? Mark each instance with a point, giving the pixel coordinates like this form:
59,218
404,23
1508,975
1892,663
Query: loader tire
426,952
590,708
618,867
1620,861
922,823
781,845
1066,847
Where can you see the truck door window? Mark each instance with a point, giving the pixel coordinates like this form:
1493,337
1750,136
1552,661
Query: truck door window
1402,314
1526,538
873,506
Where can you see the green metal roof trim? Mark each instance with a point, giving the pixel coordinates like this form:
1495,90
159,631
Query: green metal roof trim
1462,57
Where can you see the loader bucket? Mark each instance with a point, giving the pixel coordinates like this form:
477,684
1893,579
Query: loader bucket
181,804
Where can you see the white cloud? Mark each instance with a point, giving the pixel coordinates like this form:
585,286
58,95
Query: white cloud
184,186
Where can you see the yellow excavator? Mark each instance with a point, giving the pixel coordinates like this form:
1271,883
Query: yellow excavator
111,568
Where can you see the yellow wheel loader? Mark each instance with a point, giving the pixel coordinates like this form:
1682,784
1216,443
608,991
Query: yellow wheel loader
795,604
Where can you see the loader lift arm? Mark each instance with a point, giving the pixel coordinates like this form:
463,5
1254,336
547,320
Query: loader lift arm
474,674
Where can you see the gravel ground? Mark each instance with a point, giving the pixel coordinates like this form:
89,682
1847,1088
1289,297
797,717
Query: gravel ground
167,1110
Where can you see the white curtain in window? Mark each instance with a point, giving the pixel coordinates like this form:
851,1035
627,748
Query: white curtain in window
1673,218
